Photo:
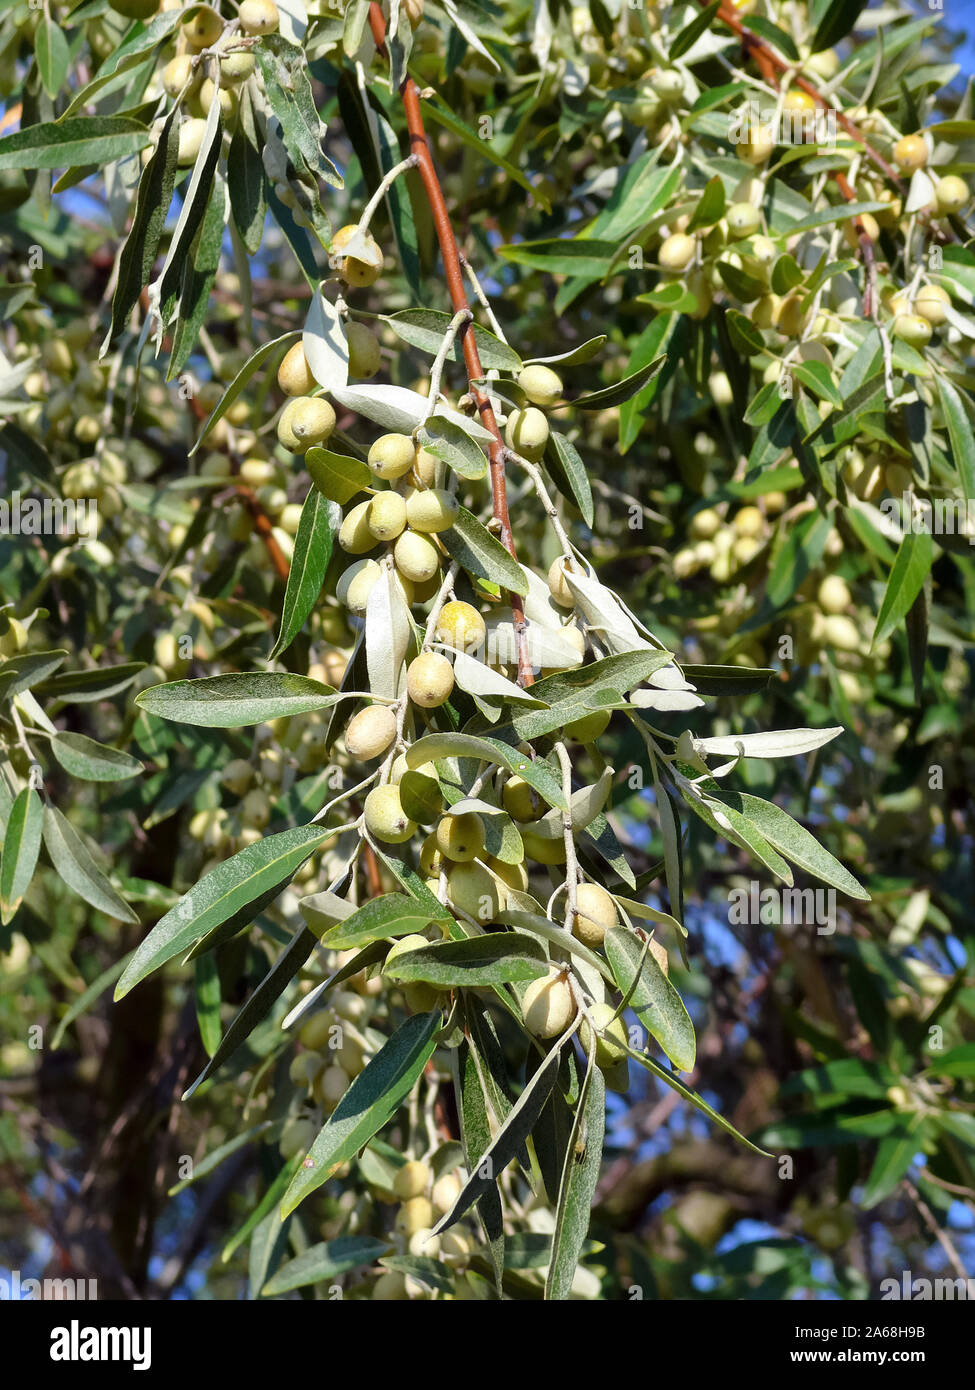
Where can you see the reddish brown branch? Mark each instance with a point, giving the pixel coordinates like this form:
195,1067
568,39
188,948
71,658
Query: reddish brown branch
419,146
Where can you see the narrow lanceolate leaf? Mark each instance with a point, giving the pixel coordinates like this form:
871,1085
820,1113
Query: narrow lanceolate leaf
578,1187
508,1141
497,958
325,1261
912,566
779,743
199,274
228,897
369,1102
138,255
21,845
66,144
569,472
794,841
654,1000
382,919
400,409
960,433
454,445
482,554
83,757
539,774
388,634
208,1001
52,53
231,701
895,1154
426,329
269,353
622,390
73,863
317,529
245,177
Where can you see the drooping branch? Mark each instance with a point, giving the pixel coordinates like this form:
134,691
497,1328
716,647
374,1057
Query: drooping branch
420,147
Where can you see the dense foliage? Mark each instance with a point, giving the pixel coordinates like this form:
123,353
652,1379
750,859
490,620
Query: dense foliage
485,721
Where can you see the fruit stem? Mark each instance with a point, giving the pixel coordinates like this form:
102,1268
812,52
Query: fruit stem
410,95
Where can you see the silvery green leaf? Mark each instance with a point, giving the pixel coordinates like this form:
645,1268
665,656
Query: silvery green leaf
545,645
323,910
651,914
558,936
585,352
478,679
666,701
387,636
474,803
325,345
783,743
398,409
540,607
921,192
603,613
669,678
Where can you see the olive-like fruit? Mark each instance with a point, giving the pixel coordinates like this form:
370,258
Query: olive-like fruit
304,421
431,510
547,1005
429,680
527,432
386,517
364,354
595,914
416,557
475,891
391,455
460,626
295,376
258,16
461,838
385,818
910,153
370,732
540,384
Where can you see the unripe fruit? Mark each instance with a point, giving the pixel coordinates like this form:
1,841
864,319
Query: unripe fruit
527,432
677,251
445,1192
387,516
430,857
540,384
258,472
295,377
330,1086
461,626
204,28
314,1032
455,1248
364,354
177,74
832,595
255,809
840,632
391,455
512,875
931,303
417,1214
355,585
385,818
390,1287
190,141
911,329
429,680
355,272
304,421
472,889
558,587
758,145
611,1036
15,638
290,518
542,849
370,732
416,557
595,914
869,225
237,776
547,1005
910,153
304,1068
461,838
792,316
296,1137
951,194
668,85
413,1179
425,466
135,9
765,313
236,67
354,533
210,92
898,479
589,727
749,522
520,800
743,220
258,16
698,285
431,510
